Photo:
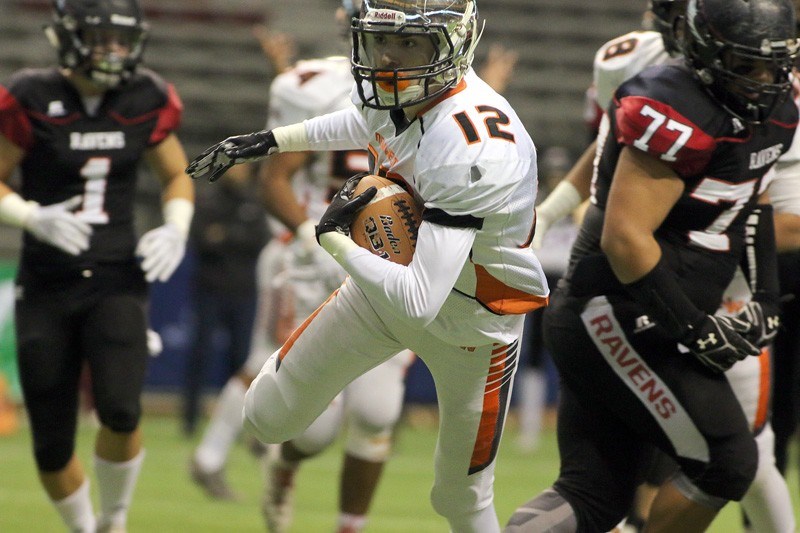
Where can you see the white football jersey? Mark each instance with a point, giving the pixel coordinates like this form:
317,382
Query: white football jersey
468,156
624,57
311,88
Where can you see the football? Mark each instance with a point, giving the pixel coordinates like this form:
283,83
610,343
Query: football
387,226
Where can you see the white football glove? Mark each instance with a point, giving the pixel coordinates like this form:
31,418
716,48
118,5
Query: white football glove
161,250
154,344
559,203
58,226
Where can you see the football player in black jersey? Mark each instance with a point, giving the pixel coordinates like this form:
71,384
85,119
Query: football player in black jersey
631,328
77,133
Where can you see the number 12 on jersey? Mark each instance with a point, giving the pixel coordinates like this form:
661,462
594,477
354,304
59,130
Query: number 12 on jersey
493,122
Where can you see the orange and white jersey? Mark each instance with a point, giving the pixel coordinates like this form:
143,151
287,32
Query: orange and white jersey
622,58
311,88
470,162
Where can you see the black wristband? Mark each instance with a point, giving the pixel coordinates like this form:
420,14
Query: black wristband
760,257
663,298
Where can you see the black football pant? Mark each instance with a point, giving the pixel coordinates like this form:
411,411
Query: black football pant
786,360
625,388
56,333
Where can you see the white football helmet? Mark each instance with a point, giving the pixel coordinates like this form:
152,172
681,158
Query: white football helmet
452,27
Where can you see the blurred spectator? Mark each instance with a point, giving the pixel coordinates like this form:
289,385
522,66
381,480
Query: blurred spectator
228,232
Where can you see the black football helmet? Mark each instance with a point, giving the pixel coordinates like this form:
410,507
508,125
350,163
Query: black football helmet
666,15
721,35
80,27
452,27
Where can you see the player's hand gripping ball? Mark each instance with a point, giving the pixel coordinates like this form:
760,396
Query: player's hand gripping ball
387,226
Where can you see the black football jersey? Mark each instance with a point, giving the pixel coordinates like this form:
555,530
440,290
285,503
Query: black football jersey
69,152
666,112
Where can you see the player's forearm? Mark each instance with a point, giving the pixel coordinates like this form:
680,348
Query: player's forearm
418,291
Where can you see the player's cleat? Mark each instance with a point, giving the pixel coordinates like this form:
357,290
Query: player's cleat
277,504
212,483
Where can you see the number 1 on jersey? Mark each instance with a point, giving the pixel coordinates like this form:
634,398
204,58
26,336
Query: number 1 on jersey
95,172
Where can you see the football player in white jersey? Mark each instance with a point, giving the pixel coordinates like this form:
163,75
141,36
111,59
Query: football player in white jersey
767,503
431,124
294,277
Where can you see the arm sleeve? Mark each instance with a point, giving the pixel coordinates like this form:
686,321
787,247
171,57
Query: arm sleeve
340,130
760,262
418,291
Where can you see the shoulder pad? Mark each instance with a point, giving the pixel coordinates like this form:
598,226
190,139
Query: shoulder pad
624,57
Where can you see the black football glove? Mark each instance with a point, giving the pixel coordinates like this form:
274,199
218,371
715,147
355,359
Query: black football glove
217,159
764,319
343,207
718,342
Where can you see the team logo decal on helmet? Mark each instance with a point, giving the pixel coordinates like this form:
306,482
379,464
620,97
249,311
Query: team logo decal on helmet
725,39
103,39
451,26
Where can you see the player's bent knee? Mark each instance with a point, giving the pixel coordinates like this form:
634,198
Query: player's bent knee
731,470
53,454
120,419
267,416
455,501
265,426
367,445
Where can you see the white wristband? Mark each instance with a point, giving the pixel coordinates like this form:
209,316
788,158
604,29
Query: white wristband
179,212
14,210
337,245
306,235
560,203
292,138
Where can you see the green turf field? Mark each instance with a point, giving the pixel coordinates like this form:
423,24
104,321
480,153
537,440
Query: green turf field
166,501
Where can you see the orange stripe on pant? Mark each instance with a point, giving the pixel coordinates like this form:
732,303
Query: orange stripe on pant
495,400
764,387
296,333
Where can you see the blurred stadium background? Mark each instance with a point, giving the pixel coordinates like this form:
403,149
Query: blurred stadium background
206,48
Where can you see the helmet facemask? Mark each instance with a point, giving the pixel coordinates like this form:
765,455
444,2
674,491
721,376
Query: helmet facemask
733,85
450,26
98,41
